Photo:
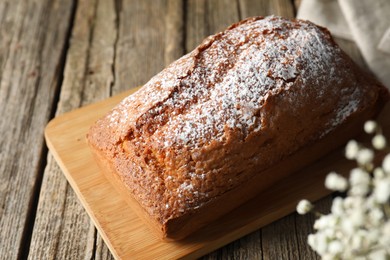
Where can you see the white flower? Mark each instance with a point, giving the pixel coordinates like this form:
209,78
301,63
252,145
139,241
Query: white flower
372,236
386,229
359,190
379,173
304,207
370,203
330,233
347,227
364,156
382,190
376,216
360,258
322,243
336,182
351,150
325,221
352,202
349,202
357,241
379,254
358,226
365,243
379,142
359,181
358,176
357,218
312,241
385,239
370,127
335,247
386,164
338,206
328,256
320,223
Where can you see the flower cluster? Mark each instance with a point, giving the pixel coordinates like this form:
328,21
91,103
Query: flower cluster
358,226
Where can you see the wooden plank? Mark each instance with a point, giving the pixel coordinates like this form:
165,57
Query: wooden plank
208,17
250,8
102,252
221,14
140,50
196,24
129,237
248,247
108,44
62,229
279,241
31,57
8,16
174,31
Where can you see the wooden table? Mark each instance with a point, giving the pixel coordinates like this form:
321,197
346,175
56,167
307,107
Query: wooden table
56,56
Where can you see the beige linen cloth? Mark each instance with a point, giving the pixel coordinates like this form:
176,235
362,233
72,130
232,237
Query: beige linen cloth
367,22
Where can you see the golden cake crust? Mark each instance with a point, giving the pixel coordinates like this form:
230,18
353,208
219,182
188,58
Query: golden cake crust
244,100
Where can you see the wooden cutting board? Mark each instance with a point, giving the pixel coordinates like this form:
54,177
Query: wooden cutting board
122,230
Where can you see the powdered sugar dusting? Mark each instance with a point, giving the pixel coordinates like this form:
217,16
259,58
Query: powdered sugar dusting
224,83
261,68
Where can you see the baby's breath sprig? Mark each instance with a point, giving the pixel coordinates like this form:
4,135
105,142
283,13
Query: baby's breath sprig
358,226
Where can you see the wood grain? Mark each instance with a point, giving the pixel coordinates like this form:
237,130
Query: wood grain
31,59
140,50
250,8
100,35
248,247
174,31
208,17
62,228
